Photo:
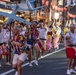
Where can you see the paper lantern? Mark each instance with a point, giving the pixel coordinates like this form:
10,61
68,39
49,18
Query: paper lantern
56,8
47,3
43,2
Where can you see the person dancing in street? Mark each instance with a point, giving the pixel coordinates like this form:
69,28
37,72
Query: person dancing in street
20,55
70,38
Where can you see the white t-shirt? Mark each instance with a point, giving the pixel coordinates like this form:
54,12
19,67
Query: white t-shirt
72,37
42,33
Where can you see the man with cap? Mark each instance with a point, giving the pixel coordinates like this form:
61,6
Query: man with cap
17,42
70,38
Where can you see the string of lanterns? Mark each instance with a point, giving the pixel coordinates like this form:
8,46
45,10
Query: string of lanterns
61,9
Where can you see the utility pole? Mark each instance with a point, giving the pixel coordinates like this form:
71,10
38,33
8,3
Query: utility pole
49,10
35,11
63,13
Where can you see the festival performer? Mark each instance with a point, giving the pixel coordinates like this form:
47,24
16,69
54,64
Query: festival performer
49,39
18,43
5,40
42,35
29,43
70,38
35,38
74,65
56,36
5,52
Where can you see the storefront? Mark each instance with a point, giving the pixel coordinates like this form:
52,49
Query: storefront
43,14
32,15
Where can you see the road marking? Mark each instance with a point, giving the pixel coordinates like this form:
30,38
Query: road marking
5,73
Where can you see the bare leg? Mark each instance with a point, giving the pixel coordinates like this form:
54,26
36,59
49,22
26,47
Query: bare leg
69,64
29,55
9,56
19,67
37,51
15,67
74,63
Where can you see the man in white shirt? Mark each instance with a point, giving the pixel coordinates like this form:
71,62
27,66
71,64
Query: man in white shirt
70,51
42,34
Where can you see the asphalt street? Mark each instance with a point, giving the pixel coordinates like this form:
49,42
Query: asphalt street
54,64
